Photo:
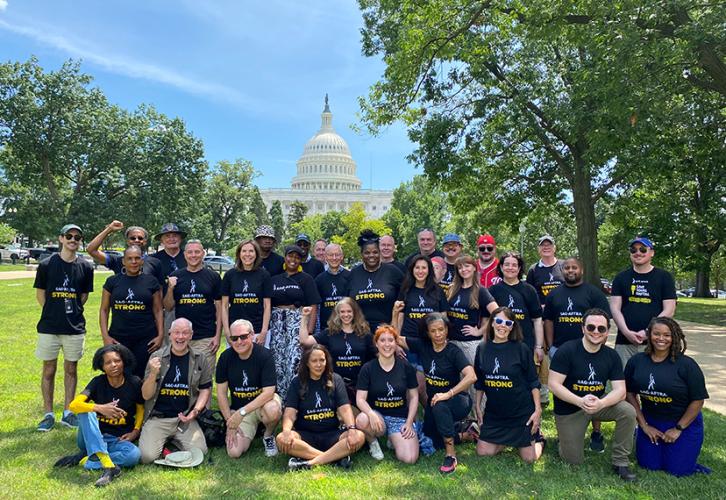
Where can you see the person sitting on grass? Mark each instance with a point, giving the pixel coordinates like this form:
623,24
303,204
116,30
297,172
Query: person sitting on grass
316,403
246,371
110,413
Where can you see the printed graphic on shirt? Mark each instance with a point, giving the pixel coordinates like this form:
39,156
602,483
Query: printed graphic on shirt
496,381
639,291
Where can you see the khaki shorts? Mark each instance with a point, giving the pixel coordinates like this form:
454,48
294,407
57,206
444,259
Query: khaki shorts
248,427
49,345
202,347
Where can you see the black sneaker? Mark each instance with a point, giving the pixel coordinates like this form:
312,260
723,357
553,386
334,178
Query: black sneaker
108,475
625,473
345,463
296,464
597,442
449,465
69,461
47,423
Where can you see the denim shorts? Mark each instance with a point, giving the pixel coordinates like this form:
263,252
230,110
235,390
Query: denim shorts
393,424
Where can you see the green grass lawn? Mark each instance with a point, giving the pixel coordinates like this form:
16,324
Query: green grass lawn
26,456
709,311
7,266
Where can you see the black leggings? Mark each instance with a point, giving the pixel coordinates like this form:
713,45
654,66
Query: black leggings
440,419
140,350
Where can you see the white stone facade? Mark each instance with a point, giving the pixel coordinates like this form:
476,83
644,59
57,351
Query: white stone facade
326,177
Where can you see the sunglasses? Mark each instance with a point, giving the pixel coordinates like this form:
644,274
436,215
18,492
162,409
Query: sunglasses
136,238
638,249
506,322
235,338
486,249
600,328
70,237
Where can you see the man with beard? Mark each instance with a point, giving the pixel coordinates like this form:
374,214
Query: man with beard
265,238
487,263
171,258
452,248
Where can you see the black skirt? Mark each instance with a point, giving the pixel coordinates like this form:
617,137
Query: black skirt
517,437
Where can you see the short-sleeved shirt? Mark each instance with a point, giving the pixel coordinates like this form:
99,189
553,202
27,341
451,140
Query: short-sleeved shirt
247,291
174,391
387,390
442,369
169,264
505,372
349,352
132,305
399,265
274,264
151,265
128,395
332,288
544,279
246,377
64,284
417,305
297,290
585,372
565,306
666,388
317,408
642,297
313,267
448,278
194,297
376,292
523,301
462,314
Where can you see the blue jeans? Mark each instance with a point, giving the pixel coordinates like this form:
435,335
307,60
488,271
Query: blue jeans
91,441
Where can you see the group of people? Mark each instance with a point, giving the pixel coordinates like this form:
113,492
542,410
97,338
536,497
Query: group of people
339,357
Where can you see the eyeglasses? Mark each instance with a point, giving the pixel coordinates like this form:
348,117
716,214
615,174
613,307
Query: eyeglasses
600,328
486,248
136,238
235,338
638,249
71,236
506,322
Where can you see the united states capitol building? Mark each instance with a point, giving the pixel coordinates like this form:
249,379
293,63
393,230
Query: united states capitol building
326,177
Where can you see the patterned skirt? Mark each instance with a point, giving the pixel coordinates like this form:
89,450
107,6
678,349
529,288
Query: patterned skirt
285,346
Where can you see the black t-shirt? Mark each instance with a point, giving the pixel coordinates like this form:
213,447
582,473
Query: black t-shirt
387,390
523,301
565,306
585,372
246,291
317,408
418,305
246,377
349,352
174,391
169,264
128,395
151,266
64,283
273,263
642,297
313,267
544,279
297,290
332,288
665,388
376,292
409,258
461,314
505,372
441,369
399,265
194,296
132,305
448,278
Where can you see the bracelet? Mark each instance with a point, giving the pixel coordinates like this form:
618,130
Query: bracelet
452,392
539,347
349,427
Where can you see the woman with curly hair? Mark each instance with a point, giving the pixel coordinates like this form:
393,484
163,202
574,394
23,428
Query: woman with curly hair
667,390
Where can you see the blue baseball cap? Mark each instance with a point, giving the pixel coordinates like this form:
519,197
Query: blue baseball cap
642,240
451,238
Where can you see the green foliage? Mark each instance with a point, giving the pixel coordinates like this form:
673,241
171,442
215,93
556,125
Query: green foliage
310,225
277,221
298,210
355,221
7,233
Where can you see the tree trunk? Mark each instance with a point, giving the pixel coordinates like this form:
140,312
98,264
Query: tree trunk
703,274
585,222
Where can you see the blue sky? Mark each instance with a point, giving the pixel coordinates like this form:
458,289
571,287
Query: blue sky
247,77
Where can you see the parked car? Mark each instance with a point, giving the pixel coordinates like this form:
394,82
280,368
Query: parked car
13,253
218,263
88,259
42,252
718,294
689,291
681,293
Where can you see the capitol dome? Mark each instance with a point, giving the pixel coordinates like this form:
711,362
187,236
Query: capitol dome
326,163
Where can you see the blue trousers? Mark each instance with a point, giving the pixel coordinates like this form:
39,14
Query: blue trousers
91,441
678,458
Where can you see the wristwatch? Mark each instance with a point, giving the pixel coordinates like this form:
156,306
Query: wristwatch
243,412
679,427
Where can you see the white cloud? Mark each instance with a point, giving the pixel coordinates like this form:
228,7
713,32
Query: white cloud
3,4
129,67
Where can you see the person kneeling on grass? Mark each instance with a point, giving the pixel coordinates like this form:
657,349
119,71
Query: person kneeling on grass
110,413
315,401
247,371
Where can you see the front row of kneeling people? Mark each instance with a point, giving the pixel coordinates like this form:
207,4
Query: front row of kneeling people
332,408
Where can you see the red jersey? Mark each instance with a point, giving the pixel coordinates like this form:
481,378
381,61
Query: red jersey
489,275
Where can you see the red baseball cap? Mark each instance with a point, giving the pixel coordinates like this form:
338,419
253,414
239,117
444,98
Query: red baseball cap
486,239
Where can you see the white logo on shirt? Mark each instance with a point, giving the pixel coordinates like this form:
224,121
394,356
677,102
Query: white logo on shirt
193,288
177,377
510,304
651,383
432,371
348,349
569,304
333,290
496,366
66,280
552,277
244,378
318,400
448,276
390,389
246,287
592,372
130,295
370,283
456,303
421,301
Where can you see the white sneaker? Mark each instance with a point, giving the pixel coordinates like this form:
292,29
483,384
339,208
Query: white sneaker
375,450
270,446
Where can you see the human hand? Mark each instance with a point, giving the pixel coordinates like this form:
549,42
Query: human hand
155,343
115,225
155,365
234,420
441,396
171,281
407,431
539,354
108,340
260,338
306,311
536,420
377,425
131,436
471,331
591,404
671,435
188,418
653,434
400,352
214,344
640,336
398,306
110,410
350,436
285,441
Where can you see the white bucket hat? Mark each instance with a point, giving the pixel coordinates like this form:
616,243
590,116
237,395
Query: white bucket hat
190,458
